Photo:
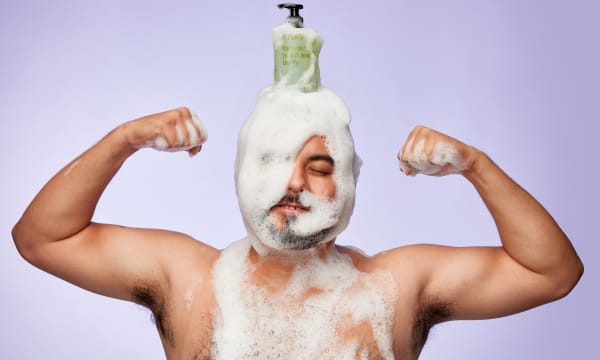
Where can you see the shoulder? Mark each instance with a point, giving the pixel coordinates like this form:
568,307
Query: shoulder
419,256
181,261
168,256
185,253
403,261
412,267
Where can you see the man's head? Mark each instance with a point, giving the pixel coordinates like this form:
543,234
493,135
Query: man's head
296,169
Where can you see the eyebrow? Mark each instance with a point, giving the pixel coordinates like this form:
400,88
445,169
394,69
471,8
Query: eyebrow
319,157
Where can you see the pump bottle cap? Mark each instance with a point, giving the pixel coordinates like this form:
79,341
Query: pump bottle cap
294,18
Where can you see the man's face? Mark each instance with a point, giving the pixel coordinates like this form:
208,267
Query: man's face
307,214
312,172
296,170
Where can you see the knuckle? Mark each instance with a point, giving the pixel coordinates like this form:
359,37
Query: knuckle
420,128
184,112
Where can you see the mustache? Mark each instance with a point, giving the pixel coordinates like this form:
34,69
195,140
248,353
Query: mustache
291,199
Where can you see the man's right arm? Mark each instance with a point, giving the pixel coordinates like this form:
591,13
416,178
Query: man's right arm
56,233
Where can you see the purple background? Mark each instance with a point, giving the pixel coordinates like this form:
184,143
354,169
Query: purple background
518,79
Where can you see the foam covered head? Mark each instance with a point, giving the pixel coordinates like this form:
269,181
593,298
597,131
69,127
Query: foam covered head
268,144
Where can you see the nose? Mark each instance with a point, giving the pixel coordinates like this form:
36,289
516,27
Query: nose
297,181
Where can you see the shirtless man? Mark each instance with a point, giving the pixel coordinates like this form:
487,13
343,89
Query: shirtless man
241,303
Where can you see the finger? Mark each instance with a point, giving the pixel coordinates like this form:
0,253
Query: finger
195,150
181,136
410,171
406,145
183,113
416,156
406,169
170,135
406,156
192,133
401,152
430,143
201,131
185,116
415,137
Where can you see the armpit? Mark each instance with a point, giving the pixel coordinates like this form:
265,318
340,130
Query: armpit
427,315
149,295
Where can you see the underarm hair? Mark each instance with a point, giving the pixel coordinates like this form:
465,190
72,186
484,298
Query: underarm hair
428,314
148,295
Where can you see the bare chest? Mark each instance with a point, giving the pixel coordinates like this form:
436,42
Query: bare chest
317,324
347,314
289,330
325,309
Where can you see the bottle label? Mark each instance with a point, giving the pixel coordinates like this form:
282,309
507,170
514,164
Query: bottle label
297,60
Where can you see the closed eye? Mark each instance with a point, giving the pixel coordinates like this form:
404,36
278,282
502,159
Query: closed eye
320,165
320,172
320,169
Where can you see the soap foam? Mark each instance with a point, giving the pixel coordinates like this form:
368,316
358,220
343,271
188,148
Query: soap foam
311,317
444,157
192,127
282,122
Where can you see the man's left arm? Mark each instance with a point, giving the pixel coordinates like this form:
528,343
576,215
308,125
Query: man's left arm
536,263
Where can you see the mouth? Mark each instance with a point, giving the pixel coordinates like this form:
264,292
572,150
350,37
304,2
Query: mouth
290,208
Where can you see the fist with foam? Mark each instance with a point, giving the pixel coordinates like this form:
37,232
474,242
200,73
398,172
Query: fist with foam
268,144
190,133
430,152
174,130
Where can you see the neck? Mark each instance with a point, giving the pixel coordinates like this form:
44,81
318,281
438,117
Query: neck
275,267
290,257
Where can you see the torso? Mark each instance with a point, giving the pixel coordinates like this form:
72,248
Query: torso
352,313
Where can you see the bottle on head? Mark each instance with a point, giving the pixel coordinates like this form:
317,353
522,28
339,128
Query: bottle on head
296,52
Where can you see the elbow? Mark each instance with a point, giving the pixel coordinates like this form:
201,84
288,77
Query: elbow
25,247
569,279
18,237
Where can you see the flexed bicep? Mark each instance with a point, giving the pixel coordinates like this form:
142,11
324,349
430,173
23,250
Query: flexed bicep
482,282
56,234
113,260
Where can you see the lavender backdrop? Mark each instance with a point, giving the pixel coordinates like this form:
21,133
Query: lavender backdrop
518,79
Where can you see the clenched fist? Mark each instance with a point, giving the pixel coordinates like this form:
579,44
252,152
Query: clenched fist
173,130
429,152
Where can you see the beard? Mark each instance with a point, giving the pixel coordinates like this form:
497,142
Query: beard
290,239
301,231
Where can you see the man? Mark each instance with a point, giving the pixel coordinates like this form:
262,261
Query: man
287,290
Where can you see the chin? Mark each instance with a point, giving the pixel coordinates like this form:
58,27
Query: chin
302,243
289,241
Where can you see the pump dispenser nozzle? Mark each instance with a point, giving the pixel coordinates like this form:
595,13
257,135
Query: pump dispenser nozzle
295,19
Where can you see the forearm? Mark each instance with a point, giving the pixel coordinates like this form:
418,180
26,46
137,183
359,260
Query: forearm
65,205
528,233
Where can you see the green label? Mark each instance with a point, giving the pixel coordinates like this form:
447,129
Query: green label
297,62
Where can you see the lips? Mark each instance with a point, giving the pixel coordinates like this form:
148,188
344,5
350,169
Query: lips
291,207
